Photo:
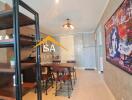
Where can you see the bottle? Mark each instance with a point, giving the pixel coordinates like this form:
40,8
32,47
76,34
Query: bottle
0,37
14,79
21,78
6,37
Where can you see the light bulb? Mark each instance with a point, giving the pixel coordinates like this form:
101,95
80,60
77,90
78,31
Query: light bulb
65,26
57,1
71,26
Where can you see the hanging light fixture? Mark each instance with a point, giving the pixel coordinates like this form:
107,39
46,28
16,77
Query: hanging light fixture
68,25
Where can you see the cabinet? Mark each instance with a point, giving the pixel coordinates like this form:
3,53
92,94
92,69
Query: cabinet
15,19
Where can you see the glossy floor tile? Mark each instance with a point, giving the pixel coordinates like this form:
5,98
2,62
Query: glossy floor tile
89,86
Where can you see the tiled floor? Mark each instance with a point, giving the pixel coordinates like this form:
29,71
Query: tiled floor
90,86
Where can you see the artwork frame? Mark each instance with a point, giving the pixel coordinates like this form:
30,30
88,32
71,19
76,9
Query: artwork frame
118,37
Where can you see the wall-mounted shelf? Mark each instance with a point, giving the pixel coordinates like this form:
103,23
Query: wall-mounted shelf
6,43
6,68
27,37
6,20
10,42
8,92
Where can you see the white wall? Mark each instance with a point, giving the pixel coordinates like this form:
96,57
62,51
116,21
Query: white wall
119,82
81,48
57,48
99,49
68,43
3,51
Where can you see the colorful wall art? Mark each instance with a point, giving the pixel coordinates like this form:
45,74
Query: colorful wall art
118,37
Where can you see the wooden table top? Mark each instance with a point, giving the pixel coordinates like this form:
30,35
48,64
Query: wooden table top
65,65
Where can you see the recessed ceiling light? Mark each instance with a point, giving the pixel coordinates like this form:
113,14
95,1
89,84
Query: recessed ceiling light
57,1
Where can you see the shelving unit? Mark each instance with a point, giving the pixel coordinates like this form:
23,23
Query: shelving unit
9,91
6,68
23,42
6,19
15,19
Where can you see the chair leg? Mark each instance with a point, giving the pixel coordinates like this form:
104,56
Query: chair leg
53,76
35,91
43,83
68,90
75,77
71,84
56,89
60,85
52,82
46,86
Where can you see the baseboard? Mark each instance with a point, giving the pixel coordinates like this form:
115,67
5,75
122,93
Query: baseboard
91,69
100,72
79,68
85,68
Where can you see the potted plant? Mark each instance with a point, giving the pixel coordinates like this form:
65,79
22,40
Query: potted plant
12,61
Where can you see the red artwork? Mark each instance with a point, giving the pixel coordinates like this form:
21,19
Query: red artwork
118,37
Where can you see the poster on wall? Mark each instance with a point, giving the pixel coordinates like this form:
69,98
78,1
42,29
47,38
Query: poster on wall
118,37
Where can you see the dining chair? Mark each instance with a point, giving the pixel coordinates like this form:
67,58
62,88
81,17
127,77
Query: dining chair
56,61
46,77
73,70
62,75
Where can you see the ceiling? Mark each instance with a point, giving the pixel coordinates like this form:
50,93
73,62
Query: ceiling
84,14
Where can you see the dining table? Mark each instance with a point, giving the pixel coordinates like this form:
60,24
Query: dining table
49,66
63,65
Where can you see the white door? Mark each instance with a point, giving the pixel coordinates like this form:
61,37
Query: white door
89,57
85,50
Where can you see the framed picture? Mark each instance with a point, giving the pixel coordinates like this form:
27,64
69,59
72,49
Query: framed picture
118,37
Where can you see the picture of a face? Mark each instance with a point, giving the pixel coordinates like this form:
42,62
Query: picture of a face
114,40
114,43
